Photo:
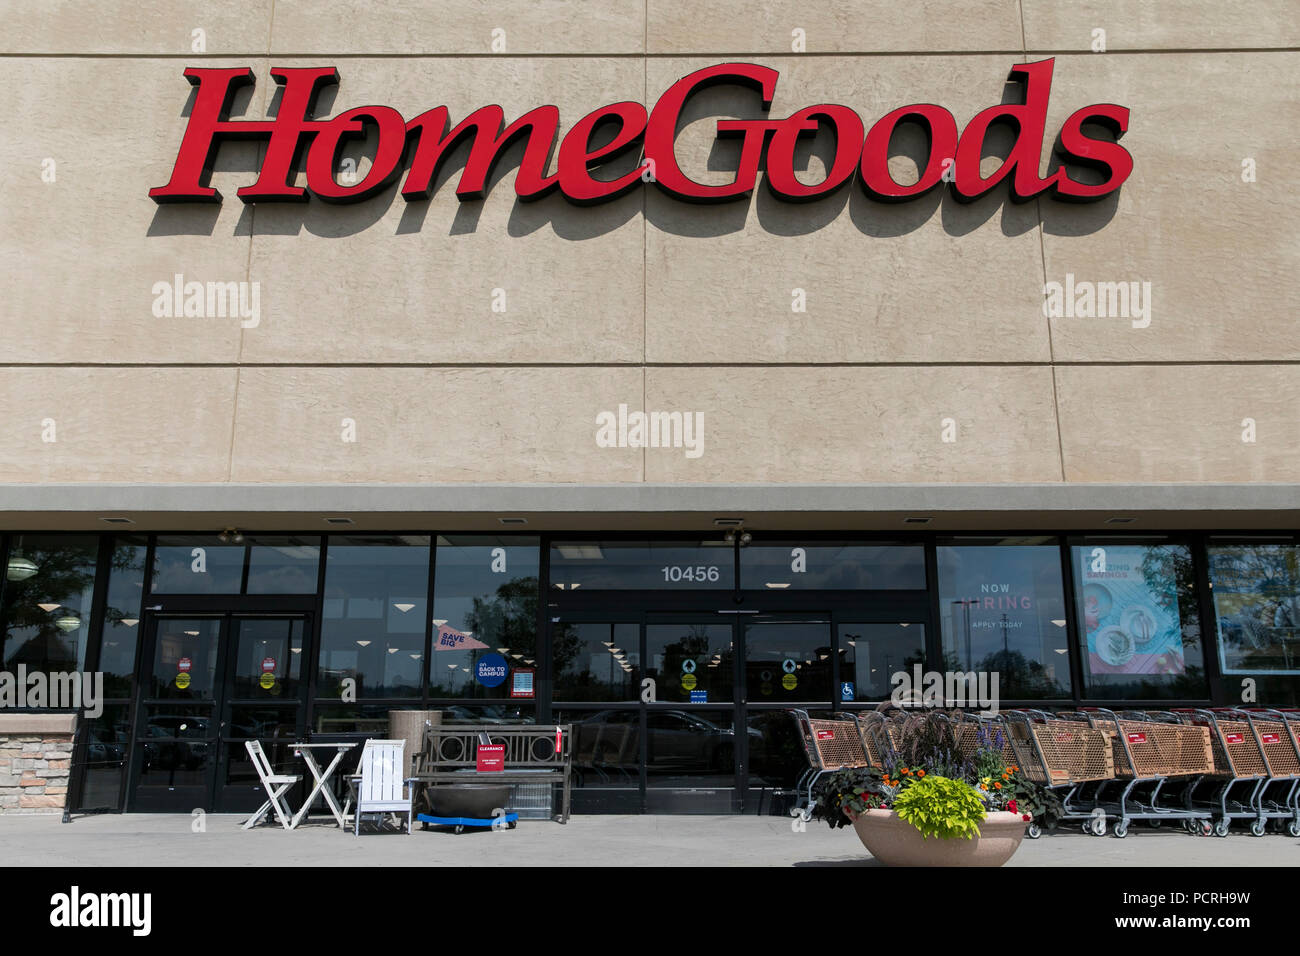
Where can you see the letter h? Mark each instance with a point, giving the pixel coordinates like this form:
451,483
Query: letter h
288,132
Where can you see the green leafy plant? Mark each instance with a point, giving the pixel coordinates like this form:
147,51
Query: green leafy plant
941,807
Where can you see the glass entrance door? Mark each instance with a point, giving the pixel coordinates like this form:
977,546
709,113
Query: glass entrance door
214,682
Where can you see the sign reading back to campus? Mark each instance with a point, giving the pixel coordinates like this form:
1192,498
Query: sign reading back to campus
420,146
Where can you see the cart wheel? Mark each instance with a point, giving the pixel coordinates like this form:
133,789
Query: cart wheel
1034,831
1099,827
1121,830
460,828
1221,827
1293,828
1156,824
1257,828
1206,828
511,825
424,826
1190,826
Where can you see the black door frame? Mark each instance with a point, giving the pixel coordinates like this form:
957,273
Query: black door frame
226,609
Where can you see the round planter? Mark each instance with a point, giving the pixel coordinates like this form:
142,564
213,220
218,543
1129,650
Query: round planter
895,842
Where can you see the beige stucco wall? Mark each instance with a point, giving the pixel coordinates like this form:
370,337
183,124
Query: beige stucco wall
382,312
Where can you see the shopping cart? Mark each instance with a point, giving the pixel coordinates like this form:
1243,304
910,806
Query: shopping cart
830,745
1277,739
1155,757
1238,773
1066,756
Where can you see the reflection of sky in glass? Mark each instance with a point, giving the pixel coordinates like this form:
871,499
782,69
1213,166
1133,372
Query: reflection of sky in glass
832,566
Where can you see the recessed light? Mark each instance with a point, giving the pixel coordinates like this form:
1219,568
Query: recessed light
513,521
49,607
1119,520
917,520
403,607
439,621
364,643
778,584
393,650
339,520
130,621
117,520
727,522
1059,622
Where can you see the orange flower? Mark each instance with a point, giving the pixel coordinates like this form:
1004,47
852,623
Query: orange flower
997,786
906,771
982,787
920,773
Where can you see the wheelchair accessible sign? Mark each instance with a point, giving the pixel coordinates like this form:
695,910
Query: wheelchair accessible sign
490,671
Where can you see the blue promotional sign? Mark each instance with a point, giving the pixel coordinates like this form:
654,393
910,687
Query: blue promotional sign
846,690
491,669
699,697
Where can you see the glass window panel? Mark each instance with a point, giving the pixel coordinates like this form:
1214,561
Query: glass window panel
263,722
776,753
374,613
787,661
690,663
1257,607
506,712
46,601
484,615
691,749
872,652
591,661
606,748
268,657
283,565
832,566
121,630
107,747
197,564
1002,610
643,565
1137,613
185,659
370,719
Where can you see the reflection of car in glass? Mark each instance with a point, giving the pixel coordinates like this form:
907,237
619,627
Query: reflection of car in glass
164,752
678,742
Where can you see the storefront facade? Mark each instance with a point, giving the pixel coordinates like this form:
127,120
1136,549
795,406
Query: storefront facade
966,342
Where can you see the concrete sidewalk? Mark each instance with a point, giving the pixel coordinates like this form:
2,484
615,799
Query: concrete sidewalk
168,840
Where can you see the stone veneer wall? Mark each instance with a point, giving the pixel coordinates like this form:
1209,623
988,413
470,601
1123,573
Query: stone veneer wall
35,761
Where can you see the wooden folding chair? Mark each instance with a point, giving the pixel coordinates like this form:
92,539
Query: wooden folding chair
275,785
379,789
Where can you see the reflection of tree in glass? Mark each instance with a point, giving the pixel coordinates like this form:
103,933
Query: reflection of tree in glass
65,575
1259,604
693,645
1018,676
508,619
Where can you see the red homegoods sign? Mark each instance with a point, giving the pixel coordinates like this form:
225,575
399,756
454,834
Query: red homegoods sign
825,734
1138,738
419,146
1233,738
491,758
184,664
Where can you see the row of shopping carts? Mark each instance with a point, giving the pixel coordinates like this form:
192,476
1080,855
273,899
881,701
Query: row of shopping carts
1201,768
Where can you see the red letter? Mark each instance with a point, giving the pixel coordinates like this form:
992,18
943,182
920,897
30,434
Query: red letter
1111,158
576,158
321,160
209,126
661,132
1030,122
780,153
490,141
941,139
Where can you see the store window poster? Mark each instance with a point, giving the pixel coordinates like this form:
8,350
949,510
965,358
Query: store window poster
1129,603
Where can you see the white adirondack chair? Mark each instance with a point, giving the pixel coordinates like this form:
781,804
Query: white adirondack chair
379,783
275,784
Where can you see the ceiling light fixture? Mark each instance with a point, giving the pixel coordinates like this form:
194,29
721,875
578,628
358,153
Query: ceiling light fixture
69,622
20,568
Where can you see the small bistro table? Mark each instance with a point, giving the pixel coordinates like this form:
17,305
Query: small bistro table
321,777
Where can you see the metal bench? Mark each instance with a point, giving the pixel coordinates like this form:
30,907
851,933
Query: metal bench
533,754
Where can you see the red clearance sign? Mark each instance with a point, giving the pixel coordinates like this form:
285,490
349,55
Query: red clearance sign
490,758
861,153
